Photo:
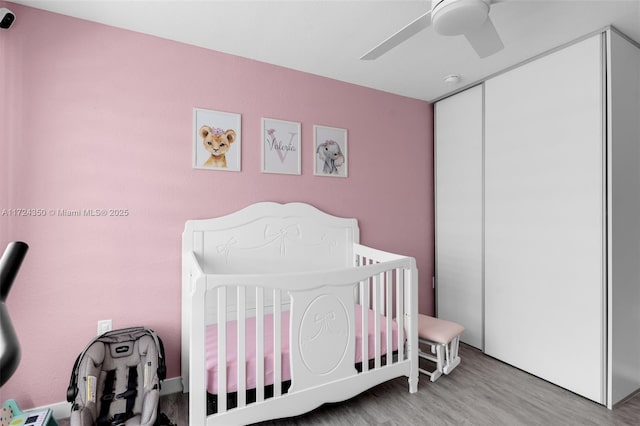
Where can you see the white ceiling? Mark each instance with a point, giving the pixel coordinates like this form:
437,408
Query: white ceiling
327,37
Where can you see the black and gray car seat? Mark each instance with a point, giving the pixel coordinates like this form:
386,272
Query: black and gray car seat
116,379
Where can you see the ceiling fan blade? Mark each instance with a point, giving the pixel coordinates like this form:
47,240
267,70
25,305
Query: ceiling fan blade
404,34
485,40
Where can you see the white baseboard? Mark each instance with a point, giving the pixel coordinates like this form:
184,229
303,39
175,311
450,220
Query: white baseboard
62,410
170,386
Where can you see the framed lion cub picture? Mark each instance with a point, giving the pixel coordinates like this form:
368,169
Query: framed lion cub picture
217,140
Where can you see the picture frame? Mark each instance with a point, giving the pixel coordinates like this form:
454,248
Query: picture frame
217,140
330,151
281,146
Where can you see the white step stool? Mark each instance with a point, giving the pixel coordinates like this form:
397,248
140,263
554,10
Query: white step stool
443,338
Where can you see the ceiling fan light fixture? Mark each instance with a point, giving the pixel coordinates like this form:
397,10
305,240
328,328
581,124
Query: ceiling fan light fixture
455,17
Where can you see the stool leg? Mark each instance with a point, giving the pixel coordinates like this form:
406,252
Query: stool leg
453,359
434,348
439,362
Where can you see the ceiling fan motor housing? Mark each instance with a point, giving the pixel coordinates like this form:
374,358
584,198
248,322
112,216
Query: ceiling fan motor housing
455,17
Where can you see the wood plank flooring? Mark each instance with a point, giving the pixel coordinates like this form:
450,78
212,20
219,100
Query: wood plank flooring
480,391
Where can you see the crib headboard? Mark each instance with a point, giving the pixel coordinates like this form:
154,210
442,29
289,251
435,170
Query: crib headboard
271,237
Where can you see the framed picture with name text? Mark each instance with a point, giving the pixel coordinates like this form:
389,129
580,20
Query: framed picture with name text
281,147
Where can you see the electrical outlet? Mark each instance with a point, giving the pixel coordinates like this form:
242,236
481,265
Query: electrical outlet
104,326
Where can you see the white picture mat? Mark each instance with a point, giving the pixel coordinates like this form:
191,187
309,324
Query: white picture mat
281,146
222,120
322,134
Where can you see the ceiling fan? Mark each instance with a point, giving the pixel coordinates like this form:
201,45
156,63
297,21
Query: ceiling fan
450,17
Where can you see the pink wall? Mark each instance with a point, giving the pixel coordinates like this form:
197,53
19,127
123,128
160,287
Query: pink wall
98,117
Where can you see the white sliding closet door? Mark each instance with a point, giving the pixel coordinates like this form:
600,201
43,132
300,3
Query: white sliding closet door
458,180
544,221
624,218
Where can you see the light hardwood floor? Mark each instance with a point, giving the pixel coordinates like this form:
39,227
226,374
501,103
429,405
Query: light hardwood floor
481,391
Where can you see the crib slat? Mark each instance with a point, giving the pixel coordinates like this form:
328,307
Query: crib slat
376,322
242,363
259,344
389,313
222,349
400,312
364,302
277,340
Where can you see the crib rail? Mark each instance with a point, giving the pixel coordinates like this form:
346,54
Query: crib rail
376,292
382,284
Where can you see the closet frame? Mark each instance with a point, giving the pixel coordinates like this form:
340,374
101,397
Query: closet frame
618,363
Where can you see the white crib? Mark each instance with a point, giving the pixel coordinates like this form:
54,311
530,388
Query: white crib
341,317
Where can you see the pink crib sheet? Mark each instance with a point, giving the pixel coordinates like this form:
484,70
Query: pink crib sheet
250,348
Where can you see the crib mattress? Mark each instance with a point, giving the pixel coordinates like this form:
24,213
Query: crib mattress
250,349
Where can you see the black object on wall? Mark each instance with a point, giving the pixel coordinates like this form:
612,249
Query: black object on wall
9,344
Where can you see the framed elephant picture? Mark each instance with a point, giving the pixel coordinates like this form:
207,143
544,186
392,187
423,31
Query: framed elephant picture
330,151
216,140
